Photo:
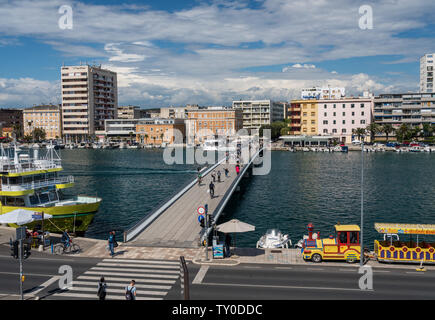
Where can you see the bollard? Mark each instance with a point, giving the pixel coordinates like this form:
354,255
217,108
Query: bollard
52,249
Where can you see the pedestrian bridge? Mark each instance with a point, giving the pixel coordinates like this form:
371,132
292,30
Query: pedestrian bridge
175,223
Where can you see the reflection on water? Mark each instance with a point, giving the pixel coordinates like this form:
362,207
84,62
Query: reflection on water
302,187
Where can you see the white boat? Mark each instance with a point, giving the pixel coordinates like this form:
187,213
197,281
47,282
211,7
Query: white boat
274,239
305,149
416,149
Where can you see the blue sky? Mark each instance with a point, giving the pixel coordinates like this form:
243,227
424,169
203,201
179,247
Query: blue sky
211,52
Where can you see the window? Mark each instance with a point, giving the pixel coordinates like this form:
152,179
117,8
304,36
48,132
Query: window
335,106
344,121
344,106
343,130
362,105
313,114
305,114
325,130
313,122
334,130
325,114
353,237
325,121
353,121
353,113
334,122
363,122
324,106
344,114
342,237
362,113
334,114
313,130
352,105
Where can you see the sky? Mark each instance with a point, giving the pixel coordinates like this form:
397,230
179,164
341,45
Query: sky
175,52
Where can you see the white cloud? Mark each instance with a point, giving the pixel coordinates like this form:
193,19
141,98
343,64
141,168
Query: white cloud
120,56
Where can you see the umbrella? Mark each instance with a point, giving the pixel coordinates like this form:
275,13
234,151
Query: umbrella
235,226
22,216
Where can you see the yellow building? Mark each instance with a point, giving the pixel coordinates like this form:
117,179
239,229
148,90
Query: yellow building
157,131
46,117
303,114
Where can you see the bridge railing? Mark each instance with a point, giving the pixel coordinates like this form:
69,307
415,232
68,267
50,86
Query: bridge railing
227,196
163,205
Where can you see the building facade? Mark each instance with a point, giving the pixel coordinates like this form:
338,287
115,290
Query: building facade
413,109
158,131
89,97
174,112
131,112
121,129
259,112
426,73
323,93
46,117
12,118
302,116
203,124
338,118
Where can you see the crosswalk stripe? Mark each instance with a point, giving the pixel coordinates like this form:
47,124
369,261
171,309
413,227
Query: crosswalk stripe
94,296
133,274
142,261
96,278
112,284
136,270
107,264
109,290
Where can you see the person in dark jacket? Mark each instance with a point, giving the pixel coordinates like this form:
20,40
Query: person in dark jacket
102,289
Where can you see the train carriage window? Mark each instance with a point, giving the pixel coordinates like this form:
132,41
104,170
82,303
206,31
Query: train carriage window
353,237
342,237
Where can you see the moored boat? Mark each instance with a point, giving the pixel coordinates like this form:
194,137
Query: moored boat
274,239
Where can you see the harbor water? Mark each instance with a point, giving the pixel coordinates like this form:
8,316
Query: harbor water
322,188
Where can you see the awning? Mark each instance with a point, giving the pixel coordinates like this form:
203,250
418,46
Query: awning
405,228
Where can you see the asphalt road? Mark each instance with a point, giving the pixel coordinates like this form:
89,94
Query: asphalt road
279,282
37,269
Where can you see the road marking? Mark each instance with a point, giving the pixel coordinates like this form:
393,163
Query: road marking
284,268
109,290
96,278
133,274
200,275
376,271
314,269
136,270
46,284
30,274
142,261
123,285
251,267
354,270
94,296
279,287
106,264
415,272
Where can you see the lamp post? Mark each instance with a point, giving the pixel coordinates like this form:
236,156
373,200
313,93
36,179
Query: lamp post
362,204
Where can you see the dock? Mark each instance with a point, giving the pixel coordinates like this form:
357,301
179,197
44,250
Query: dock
175,223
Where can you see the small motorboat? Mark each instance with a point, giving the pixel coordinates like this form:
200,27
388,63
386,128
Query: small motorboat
274,239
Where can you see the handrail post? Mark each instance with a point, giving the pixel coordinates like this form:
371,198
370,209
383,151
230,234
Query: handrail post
184,279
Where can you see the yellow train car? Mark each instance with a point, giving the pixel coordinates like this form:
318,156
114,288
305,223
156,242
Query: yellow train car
343,246
416,250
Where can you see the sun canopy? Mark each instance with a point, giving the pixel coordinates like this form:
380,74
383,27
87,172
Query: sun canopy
234,226
347,227
405,228
22,216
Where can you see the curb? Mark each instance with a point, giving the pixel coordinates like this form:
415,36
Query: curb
211,263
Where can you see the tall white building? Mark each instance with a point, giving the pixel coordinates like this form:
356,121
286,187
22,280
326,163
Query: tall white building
426,73
323,93
259,112
89,97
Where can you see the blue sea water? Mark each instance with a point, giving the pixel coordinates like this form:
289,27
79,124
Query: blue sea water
322,188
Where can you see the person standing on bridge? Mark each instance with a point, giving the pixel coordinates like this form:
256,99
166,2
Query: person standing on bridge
213,175
219,175
237,169
211,189
226,172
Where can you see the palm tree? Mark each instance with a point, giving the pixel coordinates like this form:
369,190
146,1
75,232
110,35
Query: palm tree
373,128
403,132
161,137
427,130
359,132
146,138
387,129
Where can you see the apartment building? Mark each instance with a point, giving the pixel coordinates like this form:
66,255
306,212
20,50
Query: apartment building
174,112
215,121
89,97
259,112
158,131
426,73
46,117
339,117
12,118
120,128
413,109
303,117
318,93
131,112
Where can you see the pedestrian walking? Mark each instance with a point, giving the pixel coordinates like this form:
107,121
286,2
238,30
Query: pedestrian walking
227,245
102,289
226,172
213,175
111,241
130,291
211,189
237,169
219,175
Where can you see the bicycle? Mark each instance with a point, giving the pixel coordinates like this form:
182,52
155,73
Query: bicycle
61,248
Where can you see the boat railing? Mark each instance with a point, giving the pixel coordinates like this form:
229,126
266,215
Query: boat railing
38,184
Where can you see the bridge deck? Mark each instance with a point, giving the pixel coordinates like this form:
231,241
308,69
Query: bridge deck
178,225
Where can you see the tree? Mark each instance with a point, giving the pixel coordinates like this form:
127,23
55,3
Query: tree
374,129
146,138
387,129
131,136
403,133
359,132
428,130
38,134
161,137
